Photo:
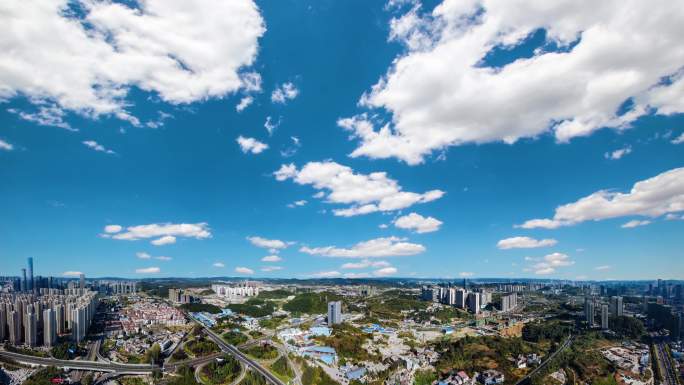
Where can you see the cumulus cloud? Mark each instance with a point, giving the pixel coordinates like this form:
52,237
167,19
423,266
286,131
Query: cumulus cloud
326,274
356,275
549,263
635,223
143,255
271,258
271,125
274,245
284,92
6,146
165,233
244,103
297,203
443,90
374,248
366,193
653,197
385,271
219,264
524,243
163,258
112,229
679,139
366,263
269,269
46,115
417,223
183,51
617,154
97,147
72,273
603,268
243,270
148,270
466,274
251,145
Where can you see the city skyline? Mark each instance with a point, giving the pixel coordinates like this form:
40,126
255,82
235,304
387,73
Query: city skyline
298,149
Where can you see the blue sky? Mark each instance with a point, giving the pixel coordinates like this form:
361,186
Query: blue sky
434,153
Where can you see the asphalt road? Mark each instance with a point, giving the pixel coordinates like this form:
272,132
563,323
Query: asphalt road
553,355
242,357
666,365
81,364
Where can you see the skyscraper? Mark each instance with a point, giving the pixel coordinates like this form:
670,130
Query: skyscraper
81,281
49,328
461,297
30,328
59,318
509,302
334,312
3,321
24,283
616,305
604,317
14,323
31,285
474,303
589,311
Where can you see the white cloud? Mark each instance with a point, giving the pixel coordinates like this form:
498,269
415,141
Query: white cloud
549,263
183,51
6,146
603,267
374,248
366,193
635,223
272,244
72,273
271,258
674,217
251,145
383,225
163,258
325,274
112,229
679,139
244,103
356,275
219,264
165,233
617,154
366,263
97,147
270,125
143,255
466,274
297,203
442,92
283,93
243,270
165,240
148,270
291,150
417,223
49,115
653,197
271,268
385,271
524,243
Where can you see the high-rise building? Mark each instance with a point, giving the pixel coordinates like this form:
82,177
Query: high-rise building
509,302
604,317
474,303
81,281
30,328
78,324
451,296
3,322
616,306
174,295
334,312
461,297
589,311
49,328
14,324
31,285
24,283
59,318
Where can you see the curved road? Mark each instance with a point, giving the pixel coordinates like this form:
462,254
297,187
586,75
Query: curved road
553,355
